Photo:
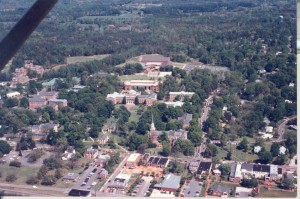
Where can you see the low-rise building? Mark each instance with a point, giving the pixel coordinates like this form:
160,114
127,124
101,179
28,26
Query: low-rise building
243,192
103,174
102,160
170,183
174,104
120,182
148,100
257,149
69,153
36,102
70,177
181,95
204,168
148,85
103,139
59,102
48,95
193,166
186,118
236,173
133,160
91,153
161,162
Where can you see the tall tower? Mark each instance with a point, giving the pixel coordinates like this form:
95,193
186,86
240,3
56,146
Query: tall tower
152,128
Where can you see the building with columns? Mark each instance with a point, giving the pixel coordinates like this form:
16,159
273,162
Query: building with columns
148,85
181,94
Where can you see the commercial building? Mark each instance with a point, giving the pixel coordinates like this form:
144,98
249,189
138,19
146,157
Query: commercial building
170,183
133,160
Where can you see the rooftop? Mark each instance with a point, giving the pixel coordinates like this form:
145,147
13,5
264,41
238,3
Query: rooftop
204,166
182,93
220,188
133,157
77,192
170,181
36,99
58,100
154,58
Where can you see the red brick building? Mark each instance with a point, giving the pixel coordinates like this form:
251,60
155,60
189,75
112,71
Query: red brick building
36,102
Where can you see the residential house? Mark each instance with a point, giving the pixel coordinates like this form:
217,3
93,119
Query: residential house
112,128
282,150
204,168
269,129
133,160
236,173
186,119
219,190
103,139
170,183
91,153
102,160
103,174
69,153
257,149
70,177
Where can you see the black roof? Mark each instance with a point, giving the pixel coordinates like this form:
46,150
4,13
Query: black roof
279,170
150,159
162,161
204,166
262,168
77,192
155,160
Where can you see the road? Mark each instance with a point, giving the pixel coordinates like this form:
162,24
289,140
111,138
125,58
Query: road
112,176
281,127
40,191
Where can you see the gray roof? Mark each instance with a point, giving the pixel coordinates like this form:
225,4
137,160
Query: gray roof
220,188
170,181
158,58
58,100
151,95
36,99
178,134
186,118
192,188
247,166
232,171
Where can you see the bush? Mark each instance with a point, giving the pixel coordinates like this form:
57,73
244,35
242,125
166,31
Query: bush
15,163
48,180
32,180
34,156
11,178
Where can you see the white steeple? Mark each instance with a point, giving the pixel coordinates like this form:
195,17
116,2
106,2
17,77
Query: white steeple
152,128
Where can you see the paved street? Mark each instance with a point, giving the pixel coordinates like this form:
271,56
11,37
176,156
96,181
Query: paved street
281,127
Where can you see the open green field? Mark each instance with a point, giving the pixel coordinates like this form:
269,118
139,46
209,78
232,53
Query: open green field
134,117
236,154
134,77
22,173
80,59
264,193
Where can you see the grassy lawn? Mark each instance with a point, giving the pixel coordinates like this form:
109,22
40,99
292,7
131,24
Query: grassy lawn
236,154
134,117
80,59
274,193
22,173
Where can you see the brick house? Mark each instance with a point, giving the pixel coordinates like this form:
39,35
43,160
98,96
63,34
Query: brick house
91,153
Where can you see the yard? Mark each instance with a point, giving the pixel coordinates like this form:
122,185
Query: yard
80,59
264,193
22,173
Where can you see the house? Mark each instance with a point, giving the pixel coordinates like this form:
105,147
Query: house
219,190
181,95
58,102
79,193
269,129
257,149
102,160
103,139
160,162
260,170
103,174
133,160
112,128
170,183
120,182
70,177
243,192
186,119
193,166
13,94
282,150
217,172
236,173
274,175
204,168
191,188
91,153
69,153
36,102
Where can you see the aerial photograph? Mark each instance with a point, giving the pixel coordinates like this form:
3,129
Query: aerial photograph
148,98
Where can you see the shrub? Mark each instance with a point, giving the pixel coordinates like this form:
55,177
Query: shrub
32,180
15,163
11,178
48,180
34,156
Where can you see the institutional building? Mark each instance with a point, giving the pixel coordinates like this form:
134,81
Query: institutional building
148,85
181,95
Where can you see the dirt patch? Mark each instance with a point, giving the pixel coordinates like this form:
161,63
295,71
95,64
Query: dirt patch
158,172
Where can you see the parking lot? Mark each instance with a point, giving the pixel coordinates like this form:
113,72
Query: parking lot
14,155
142,188
87,178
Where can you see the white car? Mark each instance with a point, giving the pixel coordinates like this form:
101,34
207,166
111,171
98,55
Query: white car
34,186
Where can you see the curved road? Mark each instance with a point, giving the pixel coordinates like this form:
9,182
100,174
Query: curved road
281,127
